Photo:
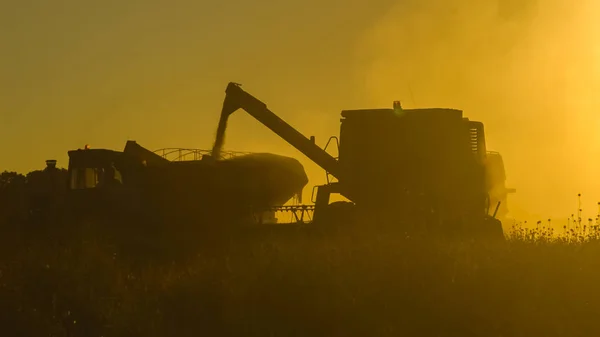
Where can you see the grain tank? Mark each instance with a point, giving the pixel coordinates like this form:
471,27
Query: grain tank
413,159
232,187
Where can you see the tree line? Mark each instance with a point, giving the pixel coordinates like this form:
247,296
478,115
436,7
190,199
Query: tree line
24,195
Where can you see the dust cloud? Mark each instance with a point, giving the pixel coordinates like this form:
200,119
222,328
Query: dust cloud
530,70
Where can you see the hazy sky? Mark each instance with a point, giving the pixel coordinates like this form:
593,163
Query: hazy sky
155,71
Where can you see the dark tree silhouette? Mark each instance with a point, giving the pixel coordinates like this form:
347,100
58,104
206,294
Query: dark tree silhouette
12,196
39,191
10,179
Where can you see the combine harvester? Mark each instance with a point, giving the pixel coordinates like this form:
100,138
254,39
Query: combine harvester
417,168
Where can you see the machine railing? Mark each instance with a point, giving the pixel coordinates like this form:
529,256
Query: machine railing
183,154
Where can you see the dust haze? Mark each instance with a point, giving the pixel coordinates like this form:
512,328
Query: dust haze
528,69
177,244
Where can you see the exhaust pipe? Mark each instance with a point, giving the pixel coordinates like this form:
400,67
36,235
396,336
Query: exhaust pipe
51,164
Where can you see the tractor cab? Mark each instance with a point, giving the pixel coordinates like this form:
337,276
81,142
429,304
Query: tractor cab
94,169
96,178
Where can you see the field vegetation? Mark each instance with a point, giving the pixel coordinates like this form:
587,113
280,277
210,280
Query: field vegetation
354,283
65,277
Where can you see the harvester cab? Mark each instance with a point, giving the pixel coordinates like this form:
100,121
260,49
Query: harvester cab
404,165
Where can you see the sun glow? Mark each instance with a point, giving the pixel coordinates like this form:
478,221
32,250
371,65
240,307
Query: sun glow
530,74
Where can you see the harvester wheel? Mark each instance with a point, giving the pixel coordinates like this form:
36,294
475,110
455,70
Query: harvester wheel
338,213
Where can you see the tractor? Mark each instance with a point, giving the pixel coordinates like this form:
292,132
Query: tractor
141,183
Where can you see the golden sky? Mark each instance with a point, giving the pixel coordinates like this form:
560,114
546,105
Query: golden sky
155,71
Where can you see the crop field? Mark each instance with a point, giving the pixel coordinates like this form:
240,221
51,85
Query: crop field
357,282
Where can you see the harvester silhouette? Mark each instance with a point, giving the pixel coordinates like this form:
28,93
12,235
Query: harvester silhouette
426,168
